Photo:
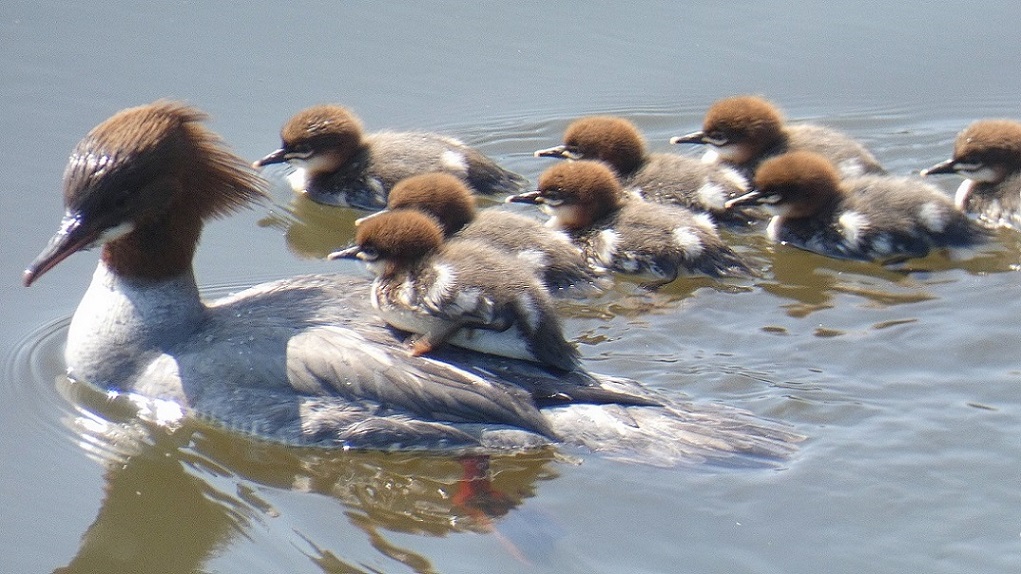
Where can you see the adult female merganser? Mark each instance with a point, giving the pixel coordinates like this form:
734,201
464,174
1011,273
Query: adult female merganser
557,261
305,360
657,177
462,291
743,131
988,155
869,217
625,233
337,164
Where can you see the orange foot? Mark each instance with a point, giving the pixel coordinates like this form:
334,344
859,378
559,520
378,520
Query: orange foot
420,347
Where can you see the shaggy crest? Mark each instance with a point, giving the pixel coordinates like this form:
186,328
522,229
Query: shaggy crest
146,143
581,182
801,178
325,126
996,141
743,118
615,141
404,235
440,195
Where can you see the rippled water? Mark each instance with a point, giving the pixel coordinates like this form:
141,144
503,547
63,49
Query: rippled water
905,380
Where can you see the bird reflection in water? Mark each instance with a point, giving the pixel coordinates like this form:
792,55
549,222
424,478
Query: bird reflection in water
177,499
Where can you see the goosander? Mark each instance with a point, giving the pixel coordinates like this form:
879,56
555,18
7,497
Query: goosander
988,155
559,263
337,164
463,292
625,233
657,177
743,131
868,218
305,360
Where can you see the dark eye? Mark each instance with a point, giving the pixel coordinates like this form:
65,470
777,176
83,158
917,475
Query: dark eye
299,150
368,253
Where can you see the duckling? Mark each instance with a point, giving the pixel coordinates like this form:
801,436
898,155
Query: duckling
866,218
744,131
625,233
988,155
657,177
559,263
337,164
462,292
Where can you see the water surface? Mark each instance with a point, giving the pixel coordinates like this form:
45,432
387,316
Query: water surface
905,380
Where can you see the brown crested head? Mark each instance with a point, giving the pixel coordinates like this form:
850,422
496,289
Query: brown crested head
321,129
141,183
580,191
441,195
797,184
612,140
990,142
147,156
399,237
749,120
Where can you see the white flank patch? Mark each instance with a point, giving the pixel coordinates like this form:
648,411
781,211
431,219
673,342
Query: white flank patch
705,221
533,258
852,225
565,238
933,217
688,241
712,195
606,246
440,289
734,177
454,161
851,168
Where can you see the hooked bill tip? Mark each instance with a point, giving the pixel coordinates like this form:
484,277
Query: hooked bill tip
346,253
527,197
276,156
28,277
692,138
